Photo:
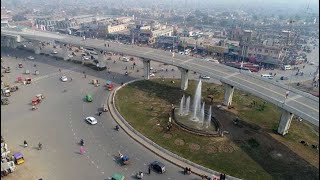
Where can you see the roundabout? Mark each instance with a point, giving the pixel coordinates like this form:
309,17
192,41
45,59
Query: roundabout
59,124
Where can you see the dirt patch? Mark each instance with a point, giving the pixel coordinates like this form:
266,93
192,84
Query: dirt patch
167,136
179,142
157,128
194,147
211,149
226,148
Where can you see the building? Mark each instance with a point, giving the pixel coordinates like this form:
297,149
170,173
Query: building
116,28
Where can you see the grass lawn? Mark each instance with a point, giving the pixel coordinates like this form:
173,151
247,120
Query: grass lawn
251,152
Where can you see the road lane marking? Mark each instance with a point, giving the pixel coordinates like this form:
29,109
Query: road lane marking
233,74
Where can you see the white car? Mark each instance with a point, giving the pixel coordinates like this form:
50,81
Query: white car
54,52
311,63
86,58
204,77
64,78
91,120
31,58
152,75
125,59
151,68
70,55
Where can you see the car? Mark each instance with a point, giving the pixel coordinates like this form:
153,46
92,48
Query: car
284,78
311,63
158,167
91,120
31,58
64,78
204,77
86,58
70,55
125,59
151,68
54,52
151,75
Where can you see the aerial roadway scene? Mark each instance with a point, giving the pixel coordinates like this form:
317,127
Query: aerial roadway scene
160,90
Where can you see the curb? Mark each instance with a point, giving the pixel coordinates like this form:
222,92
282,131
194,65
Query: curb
155,148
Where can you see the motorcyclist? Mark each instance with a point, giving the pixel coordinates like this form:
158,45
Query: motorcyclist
117,127
81,142
40,146
25,143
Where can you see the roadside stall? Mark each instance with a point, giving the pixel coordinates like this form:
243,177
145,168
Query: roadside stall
18,158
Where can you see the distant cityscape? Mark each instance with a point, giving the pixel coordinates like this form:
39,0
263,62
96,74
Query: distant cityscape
229,36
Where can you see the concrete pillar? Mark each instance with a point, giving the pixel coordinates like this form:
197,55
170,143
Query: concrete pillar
7,42
285,122
14,44
101,59
64,52
228,94
184,78
36,47
146,68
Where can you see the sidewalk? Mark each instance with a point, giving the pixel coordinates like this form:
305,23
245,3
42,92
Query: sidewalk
171,157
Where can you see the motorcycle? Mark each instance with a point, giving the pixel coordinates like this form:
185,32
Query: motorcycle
139,175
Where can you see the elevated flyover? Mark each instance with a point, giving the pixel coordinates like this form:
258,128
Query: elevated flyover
297,102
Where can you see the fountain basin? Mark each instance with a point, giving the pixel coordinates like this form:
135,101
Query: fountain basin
186,123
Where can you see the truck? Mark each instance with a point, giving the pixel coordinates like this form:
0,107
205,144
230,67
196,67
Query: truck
7,168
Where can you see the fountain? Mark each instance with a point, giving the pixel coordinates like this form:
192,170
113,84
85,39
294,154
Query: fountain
197,102
181,106
186,111
197,119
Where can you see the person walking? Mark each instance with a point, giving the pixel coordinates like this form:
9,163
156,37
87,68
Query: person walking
81,149
149,170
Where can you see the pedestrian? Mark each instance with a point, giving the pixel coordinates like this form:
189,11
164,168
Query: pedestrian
149,170
59,70
81,149
85,76
70,79
105,45
108,44
99,113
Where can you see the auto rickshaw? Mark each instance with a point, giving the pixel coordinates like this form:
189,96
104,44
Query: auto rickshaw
40,96
14,88
109,85
28,80
35,101
95,82
104,108
117,176
89,98
36,72
124,159
20,65
27,71
4,101
19,79
7,70
6,92
18,158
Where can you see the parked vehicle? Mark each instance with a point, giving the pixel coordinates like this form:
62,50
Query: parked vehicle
7,168
4,101
117,176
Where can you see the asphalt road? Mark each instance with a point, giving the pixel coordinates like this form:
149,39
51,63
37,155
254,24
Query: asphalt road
299,103
59,125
